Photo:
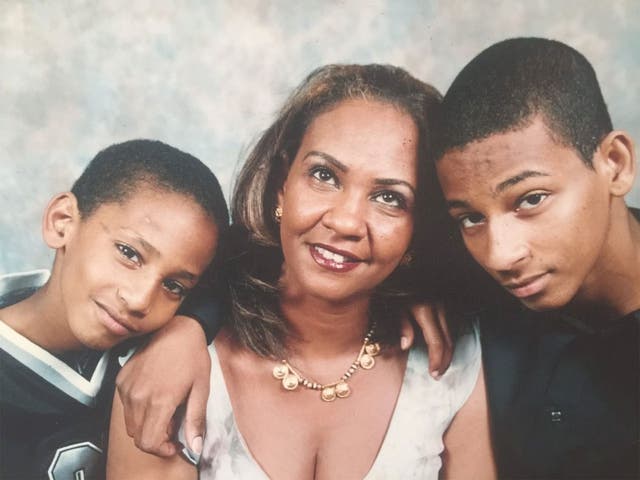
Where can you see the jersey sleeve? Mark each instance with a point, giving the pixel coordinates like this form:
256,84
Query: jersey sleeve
206,308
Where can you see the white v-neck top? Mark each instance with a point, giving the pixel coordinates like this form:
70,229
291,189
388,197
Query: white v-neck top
412,445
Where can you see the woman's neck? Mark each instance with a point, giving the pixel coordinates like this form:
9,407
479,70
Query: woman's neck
323,329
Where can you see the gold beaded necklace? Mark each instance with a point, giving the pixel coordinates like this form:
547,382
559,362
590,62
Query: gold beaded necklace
291,377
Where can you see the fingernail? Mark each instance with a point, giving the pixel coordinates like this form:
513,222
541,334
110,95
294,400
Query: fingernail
196,445
435,374
404,343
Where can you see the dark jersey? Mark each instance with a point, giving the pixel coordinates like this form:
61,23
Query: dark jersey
53,417
564,397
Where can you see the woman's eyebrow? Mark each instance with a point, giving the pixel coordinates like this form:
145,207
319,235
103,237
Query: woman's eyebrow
395,181
325,156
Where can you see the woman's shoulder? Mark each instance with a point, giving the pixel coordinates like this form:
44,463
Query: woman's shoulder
458,381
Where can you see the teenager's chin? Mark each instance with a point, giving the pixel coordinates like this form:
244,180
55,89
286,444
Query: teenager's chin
543,303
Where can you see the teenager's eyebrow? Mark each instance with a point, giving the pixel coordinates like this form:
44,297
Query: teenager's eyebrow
186,275
510,182
183,274
451,204
140,239
325,156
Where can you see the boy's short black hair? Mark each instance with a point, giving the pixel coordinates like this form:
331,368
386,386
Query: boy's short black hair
117,171
509,83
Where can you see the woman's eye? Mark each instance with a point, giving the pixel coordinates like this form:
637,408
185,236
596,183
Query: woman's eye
324,175
392,199
175,288
128,252
532,201
470,220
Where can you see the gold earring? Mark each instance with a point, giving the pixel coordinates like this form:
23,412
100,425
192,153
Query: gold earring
277,213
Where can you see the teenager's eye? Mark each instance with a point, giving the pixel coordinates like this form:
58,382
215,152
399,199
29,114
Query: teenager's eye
324,175
470,220
175,288
128,252
391,199
532,200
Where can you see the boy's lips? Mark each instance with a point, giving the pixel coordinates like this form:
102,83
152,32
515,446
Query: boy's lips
334,259
114,322
528,286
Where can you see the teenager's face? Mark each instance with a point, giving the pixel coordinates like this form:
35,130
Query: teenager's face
348,200
530,212
127,266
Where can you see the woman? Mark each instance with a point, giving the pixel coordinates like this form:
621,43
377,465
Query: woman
308,379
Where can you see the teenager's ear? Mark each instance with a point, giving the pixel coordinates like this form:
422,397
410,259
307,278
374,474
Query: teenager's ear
617,154
60,219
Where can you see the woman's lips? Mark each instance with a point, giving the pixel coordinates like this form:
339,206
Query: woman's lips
334,260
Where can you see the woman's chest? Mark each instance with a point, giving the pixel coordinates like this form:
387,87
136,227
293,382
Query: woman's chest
295,434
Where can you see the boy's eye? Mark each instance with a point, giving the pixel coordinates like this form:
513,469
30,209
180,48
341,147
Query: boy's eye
391,199
532,200
324,175
175,288
470,220
128,252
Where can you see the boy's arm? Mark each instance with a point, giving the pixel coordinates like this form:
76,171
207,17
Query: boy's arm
125,461
171,368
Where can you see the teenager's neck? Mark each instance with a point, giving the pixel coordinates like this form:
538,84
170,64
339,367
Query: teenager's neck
613,288
325,329
42,319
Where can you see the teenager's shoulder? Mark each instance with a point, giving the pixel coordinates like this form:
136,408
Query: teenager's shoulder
19,285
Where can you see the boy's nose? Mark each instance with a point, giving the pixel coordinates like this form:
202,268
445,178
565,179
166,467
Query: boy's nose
506,247
138,297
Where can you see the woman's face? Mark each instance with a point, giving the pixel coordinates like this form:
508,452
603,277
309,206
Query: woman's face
348,201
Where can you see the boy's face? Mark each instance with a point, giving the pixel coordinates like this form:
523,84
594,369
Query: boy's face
530,212
126,268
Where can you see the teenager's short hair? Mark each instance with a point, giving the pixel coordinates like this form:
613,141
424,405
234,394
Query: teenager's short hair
118,171
511,82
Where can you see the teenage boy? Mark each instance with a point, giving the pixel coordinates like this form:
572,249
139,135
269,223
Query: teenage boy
535,176
135,233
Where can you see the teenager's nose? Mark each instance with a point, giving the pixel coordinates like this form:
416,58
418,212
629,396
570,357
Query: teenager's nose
505,246
346,216
138,295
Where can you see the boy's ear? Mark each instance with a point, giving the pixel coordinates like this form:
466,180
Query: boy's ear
60,219
618,159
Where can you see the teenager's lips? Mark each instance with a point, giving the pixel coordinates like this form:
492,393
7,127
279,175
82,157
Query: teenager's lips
114,322
334,259
529,286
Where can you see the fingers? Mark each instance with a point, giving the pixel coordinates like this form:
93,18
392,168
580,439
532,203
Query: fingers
406,333
447,355
156,433
147,416
194,422
431,318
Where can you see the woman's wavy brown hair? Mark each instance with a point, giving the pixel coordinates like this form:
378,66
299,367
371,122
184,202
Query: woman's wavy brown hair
256,256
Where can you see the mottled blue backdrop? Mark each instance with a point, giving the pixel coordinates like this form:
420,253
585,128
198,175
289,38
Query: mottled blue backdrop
207,76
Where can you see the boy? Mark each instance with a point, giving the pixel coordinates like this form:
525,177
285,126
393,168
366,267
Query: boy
535,177
132,237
